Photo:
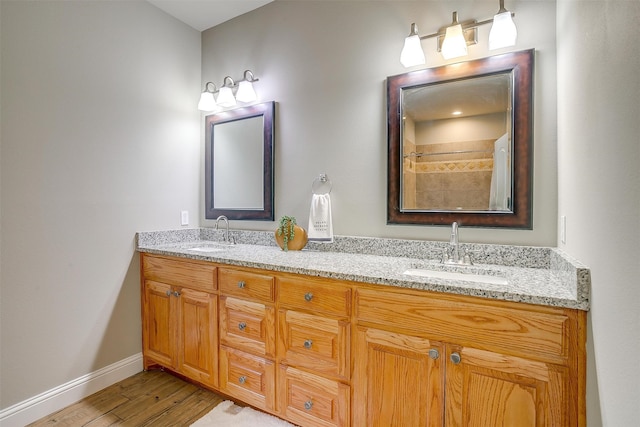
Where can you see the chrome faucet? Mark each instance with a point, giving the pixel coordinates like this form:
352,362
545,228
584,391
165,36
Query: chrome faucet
454,244
452,254
226,232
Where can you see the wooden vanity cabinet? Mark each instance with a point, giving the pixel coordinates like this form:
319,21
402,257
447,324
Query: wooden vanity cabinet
425,359
179,317
323,353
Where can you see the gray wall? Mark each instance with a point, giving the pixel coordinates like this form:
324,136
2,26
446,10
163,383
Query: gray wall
100,139
599,190
325,64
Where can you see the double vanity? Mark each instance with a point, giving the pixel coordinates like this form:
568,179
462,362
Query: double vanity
368,331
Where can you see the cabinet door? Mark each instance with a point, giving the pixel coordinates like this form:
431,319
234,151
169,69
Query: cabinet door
484,388
159,332
197,337
397,380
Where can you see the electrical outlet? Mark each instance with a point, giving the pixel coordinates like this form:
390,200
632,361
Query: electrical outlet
184,217
563,229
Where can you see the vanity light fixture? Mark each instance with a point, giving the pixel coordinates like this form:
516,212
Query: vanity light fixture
412,53
226,99
503,31
453,39
225,95
207,101
246,93
454,43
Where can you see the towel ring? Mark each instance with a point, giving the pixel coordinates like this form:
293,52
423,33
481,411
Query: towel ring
321,185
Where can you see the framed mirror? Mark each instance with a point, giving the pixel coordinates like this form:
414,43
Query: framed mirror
460,143
239,163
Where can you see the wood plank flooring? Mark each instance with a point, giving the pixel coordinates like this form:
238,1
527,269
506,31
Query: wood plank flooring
152,398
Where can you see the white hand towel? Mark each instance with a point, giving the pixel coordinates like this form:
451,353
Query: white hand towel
320,227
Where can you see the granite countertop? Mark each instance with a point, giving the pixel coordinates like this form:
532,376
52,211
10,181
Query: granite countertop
534,275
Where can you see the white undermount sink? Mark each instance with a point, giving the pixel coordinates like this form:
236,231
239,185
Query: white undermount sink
206,249
210,247
457,275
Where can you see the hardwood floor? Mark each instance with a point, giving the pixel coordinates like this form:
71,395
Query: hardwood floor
152,398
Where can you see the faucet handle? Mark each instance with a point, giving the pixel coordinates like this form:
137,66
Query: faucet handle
467,259
445,255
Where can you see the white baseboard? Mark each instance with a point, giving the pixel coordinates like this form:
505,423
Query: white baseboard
53,400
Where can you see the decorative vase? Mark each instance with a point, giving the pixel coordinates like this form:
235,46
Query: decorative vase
299,241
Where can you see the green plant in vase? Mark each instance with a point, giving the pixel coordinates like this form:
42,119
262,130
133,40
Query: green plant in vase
289,235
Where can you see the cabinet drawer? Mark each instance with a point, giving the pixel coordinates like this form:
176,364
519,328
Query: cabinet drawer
313,342
316,295
246,325
310,400
530,331
247,377
245,284
179,273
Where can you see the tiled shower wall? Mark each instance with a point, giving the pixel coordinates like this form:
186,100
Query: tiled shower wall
448,181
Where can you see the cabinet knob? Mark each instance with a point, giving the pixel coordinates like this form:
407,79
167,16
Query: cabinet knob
308,296
308,405
168,293
434,353
242,379
176,293
242,326
455,358
308,343
241,284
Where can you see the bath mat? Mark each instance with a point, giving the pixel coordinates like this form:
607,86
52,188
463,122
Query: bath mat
227,414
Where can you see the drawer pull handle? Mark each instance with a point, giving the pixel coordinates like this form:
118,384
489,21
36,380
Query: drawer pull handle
241,284
308,296
242,326
308,405
434,353
455,358
308,344
242,379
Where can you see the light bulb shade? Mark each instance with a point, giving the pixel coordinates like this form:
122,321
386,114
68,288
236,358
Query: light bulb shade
454,43
225,97
207,103
412,53
245,92
503,31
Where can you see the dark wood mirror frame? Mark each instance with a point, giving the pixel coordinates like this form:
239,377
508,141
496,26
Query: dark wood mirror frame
521,65
267,111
